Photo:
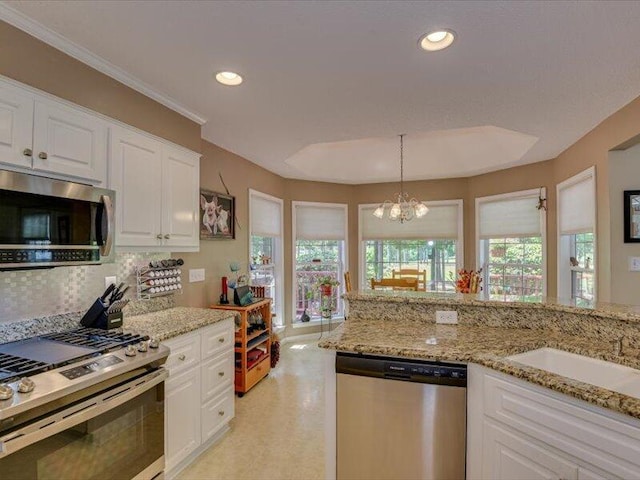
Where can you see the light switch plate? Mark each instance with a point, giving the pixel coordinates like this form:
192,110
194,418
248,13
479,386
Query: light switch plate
447,317
196,275
109,280
634,264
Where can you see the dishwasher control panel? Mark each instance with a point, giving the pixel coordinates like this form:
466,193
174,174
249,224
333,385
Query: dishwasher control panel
400,369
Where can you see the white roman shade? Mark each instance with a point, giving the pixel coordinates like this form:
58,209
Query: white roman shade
440,223
509,217
577,206
320,222
266,215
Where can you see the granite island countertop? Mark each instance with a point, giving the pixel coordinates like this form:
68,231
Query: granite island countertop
165,324
627,313
486,346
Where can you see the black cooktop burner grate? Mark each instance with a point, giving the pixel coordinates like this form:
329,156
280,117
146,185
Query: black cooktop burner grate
12,366
102,340
38,354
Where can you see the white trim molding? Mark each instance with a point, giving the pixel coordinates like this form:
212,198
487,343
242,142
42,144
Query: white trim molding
36,29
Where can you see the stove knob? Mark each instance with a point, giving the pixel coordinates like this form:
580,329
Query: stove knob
6,392
142,347
154,343
130,351
26,385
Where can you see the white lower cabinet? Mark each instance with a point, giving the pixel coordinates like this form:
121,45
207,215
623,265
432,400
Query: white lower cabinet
517,430
182,416
199,396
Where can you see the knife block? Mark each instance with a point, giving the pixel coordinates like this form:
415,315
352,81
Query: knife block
98,317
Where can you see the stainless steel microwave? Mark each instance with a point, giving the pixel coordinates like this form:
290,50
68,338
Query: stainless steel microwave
48,223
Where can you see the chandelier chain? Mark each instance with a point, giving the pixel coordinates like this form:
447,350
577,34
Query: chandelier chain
402,164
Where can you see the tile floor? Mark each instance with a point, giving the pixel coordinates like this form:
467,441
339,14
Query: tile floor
278,430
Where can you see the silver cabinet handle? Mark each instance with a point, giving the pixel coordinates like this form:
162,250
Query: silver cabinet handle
221,413
167,236
27,152
159,236
42,155
221,340
221,374
182,357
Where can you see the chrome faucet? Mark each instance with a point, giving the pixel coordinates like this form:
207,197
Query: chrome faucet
617,346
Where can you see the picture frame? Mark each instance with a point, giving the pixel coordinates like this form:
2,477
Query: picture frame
217,216
632,216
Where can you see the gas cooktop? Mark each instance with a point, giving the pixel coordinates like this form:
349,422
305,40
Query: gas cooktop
27,357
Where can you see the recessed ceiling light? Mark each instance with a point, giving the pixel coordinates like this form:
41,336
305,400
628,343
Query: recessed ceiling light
229,78
437,40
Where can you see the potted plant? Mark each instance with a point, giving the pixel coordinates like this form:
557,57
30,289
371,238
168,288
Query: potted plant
326,284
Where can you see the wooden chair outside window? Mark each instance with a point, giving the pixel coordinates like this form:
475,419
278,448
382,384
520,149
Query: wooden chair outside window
395,284
419,275
347,282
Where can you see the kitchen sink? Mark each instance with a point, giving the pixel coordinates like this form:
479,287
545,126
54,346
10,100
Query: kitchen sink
600,373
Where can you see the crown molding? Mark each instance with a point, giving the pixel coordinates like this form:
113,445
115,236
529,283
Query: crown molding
48,36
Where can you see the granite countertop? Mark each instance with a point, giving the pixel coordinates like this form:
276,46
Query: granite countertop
485,346
627,313
165,324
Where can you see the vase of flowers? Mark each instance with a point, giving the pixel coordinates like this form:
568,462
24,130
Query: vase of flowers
469,281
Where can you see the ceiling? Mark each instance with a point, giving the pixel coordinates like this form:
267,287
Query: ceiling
329,85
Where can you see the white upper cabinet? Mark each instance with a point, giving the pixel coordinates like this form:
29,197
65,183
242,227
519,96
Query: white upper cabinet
180,194
43,136
69,142
16,127
157,188
135,175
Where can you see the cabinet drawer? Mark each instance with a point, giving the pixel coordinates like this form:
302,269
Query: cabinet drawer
216,413
185,353
217,338
258,372
216,374
581,431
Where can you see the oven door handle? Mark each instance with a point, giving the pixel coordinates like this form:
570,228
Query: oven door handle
79,413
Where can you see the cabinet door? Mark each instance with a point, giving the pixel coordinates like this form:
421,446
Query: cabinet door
16,127
180,198
182,403
136,162
69,142
512,456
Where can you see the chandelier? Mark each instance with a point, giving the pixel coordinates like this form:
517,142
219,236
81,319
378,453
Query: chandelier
404,208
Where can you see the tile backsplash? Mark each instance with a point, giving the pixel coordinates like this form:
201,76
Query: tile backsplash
26,294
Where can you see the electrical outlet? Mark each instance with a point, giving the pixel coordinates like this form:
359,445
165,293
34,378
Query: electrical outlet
109,280
196,275
634,264
448,317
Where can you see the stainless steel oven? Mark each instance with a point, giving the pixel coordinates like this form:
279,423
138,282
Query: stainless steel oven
110,430
46,222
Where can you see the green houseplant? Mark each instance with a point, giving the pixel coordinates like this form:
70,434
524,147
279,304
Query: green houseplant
326,283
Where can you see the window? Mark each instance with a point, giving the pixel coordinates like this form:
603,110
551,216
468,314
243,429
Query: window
576,237
265,248
432,244
511,245
320,236
436,257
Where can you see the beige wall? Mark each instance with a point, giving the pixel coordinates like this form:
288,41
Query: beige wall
30,61
624,174
215,255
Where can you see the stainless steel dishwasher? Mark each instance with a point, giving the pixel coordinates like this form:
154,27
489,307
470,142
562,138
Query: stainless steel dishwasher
400,419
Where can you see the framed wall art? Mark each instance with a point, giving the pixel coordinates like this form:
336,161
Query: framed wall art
217,211
632,216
